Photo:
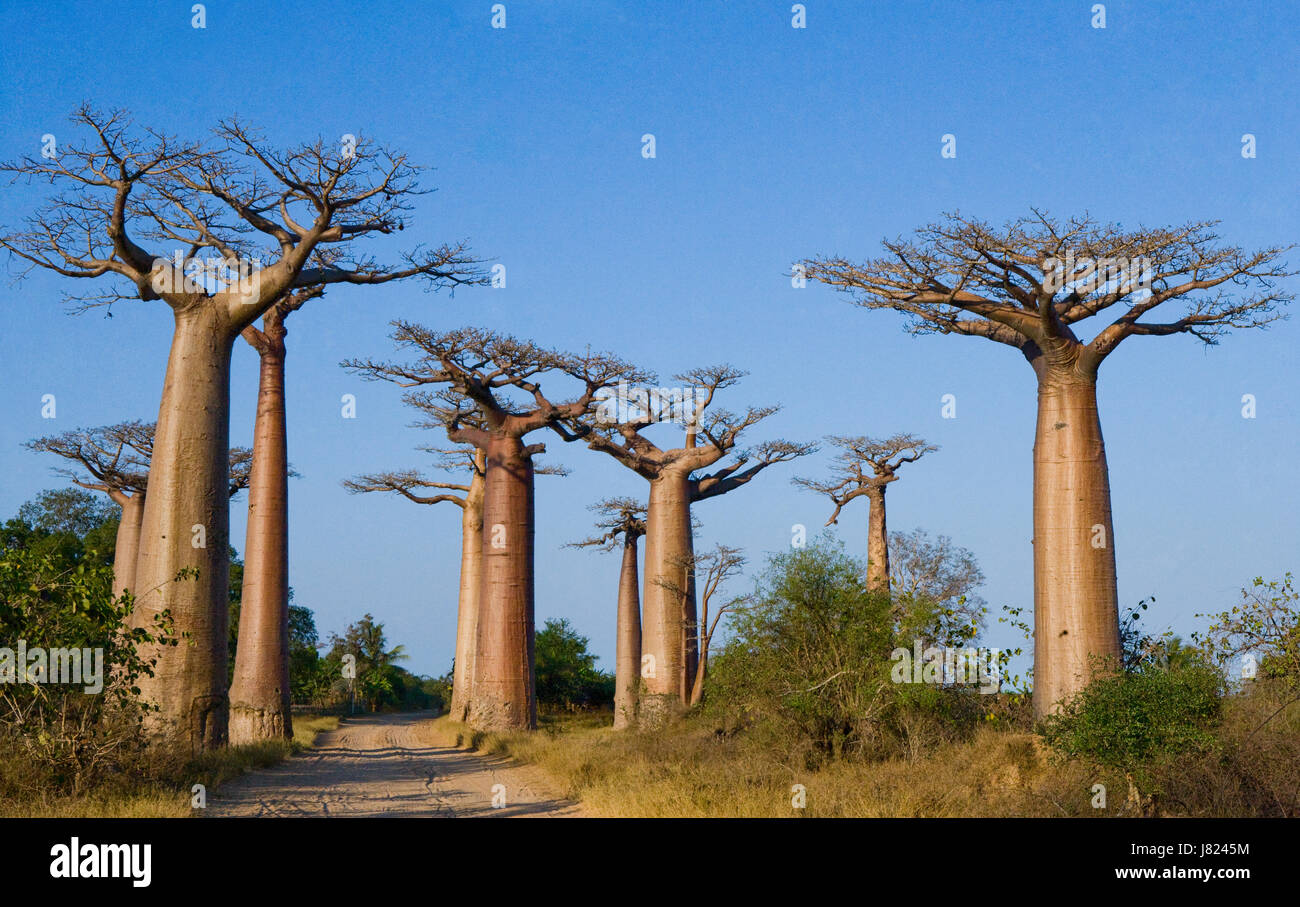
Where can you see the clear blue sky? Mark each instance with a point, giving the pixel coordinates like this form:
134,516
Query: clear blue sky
772,144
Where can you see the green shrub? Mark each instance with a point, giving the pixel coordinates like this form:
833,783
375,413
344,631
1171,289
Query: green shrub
1141,721
75,737
809,664
566,675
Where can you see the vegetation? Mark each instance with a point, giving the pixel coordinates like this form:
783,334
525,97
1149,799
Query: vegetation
567,678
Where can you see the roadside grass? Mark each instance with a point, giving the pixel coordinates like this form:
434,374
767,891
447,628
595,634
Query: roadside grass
161,787
691,769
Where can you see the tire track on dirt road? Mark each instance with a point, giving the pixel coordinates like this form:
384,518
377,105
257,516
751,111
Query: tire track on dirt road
382,765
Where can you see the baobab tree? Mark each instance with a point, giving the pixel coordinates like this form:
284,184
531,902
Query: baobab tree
864,468
711,569
1027,285
622,523
481,369
468,496
115,459
259,690
617,427
271,221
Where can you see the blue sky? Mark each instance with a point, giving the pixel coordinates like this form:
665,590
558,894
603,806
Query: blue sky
773,143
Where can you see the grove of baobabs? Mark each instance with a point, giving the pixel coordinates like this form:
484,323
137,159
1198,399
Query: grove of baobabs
652,296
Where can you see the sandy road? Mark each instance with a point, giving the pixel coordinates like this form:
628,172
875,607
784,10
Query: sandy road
383,765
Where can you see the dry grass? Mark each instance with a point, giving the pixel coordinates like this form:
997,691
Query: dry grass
690,770
162,789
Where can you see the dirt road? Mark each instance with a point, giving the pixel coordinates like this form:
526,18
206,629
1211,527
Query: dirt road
383,765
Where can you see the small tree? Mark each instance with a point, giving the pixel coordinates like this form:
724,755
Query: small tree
711,570
808,655
933,583
1263,631
73,733
115,459
566,671
864,468
622,523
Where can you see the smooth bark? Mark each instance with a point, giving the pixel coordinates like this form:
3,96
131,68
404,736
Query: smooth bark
503,697
185,527
127,547
259,693
667,559
471,571
1076,606
877,541
627,657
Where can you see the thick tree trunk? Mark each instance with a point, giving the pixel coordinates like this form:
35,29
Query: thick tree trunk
663,631
471,569
877,541
503,696
127,547
627,656
186,527
1076,608
259,693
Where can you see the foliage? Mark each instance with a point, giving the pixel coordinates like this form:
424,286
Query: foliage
69,524
566,674
933,584
59,597
379,683
1265,627
809,664
1138,720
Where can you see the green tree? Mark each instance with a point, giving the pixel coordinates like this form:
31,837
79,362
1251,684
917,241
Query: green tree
1263,628
69,524
566,672
379,681
809,654
73,733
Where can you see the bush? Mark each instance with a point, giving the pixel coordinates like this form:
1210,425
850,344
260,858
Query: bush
809,663
75,737
1139,722
566,675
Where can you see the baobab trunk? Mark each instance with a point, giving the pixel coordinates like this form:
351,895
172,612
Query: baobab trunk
127,547
663,629
503,696
877,541
471,568
186,528
627,656
1076,607
259,693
